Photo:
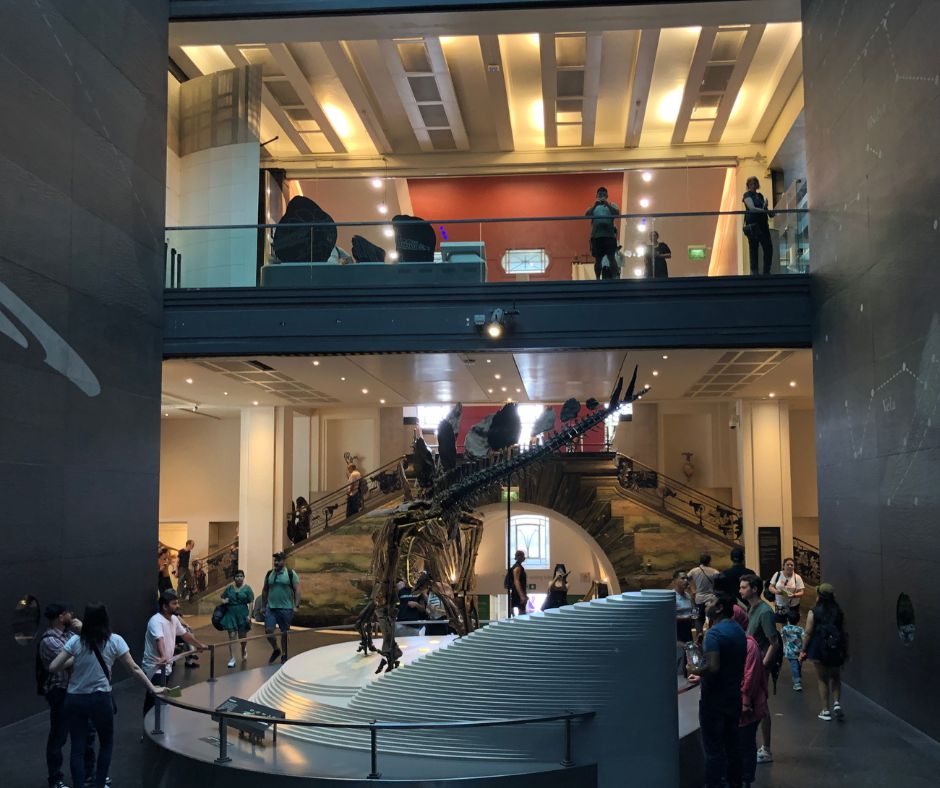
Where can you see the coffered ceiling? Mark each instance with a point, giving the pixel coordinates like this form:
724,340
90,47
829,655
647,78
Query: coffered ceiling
220,387
572,87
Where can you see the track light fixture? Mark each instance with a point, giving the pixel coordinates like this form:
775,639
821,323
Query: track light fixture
495,324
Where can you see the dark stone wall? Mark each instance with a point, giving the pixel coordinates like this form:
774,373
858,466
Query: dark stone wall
82,171
872,81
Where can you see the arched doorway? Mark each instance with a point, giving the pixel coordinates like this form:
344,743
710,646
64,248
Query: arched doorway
567,543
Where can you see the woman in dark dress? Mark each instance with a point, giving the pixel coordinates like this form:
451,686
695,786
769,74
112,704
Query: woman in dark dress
557,590
826,645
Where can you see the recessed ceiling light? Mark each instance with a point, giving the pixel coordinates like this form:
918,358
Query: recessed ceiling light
489,391
489,361
189,380
502,388
647,177
382,208
343,379
638,272
640,250
792,384
646,385
255,402
316,363
644,202
665,356
376,183
225,393
166,414
389,232
365,391
641,227
497,376
381,402
518,391
393,255
655,372
772,395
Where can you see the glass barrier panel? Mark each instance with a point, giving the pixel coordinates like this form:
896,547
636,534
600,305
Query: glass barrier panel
472,252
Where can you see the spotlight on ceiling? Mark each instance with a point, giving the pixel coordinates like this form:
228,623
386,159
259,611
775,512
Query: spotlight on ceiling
376,183
647,177
496,323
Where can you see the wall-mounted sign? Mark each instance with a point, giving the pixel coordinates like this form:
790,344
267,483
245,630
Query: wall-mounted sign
768,550
698,252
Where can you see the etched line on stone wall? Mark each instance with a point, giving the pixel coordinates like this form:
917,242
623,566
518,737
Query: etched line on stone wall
59,354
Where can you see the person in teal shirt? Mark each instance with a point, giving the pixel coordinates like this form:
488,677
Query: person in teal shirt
237,598
280,597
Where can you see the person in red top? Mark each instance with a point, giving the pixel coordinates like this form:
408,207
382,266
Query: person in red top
753,702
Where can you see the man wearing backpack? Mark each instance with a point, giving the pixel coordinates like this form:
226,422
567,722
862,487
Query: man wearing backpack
53,686
280,598
761,626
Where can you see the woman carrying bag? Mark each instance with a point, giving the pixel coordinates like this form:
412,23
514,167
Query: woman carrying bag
88,701
237,599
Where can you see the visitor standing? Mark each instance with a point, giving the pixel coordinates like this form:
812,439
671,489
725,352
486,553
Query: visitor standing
163,628
826,644
719,711
604,236
702,580
353,498
787,587
753,703
756,227
88,701
685,607
516,582
237,598
280,599
761,626
729,580
164,582
184,577
657,253
53,687
557,595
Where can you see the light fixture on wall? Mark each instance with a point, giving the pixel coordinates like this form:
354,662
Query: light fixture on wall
495,324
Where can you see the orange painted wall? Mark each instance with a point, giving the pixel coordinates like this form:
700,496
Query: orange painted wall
516,196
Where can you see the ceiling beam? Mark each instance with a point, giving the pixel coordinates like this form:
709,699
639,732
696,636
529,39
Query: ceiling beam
496,89
549,87
642,78
693,83
301,86
179,56
791,75
397,72
445,86
741,65
593,54
342,62
278,114
574,159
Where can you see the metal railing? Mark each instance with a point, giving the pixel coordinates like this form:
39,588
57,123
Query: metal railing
806,558
373,726
316,517
477,248
679,500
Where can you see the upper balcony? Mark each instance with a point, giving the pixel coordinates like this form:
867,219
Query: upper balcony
308,284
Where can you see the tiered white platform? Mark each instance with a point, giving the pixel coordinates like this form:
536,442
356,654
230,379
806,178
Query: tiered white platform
613,656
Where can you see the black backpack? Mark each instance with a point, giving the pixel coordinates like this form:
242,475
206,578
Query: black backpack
832,643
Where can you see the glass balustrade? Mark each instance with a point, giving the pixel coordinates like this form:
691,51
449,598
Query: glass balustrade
639,247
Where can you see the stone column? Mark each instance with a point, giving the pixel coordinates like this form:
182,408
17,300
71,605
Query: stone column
764,452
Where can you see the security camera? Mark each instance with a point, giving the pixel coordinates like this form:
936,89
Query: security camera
733,423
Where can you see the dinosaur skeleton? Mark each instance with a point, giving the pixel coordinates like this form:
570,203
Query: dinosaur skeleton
436,534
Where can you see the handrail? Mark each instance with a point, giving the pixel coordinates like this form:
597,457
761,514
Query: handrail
676,483
711,514
506,219
384,479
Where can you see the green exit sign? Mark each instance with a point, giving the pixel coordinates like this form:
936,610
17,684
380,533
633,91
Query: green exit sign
698,252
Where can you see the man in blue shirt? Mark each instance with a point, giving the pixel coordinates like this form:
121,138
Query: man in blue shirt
722,670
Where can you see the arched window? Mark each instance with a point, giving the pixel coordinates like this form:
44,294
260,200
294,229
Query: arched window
529,533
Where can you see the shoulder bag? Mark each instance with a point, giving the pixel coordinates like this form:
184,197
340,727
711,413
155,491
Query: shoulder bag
107,674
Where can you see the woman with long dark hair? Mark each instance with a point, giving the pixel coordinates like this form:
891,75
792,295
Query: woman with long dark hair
88,702
825,643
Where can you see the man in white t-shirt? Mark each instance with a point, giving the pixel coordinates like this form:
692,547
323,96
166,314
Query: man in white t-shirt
788,590
160,642
702,581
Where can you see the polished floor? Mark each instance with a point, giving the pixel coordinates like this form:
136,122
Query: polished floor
870,748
